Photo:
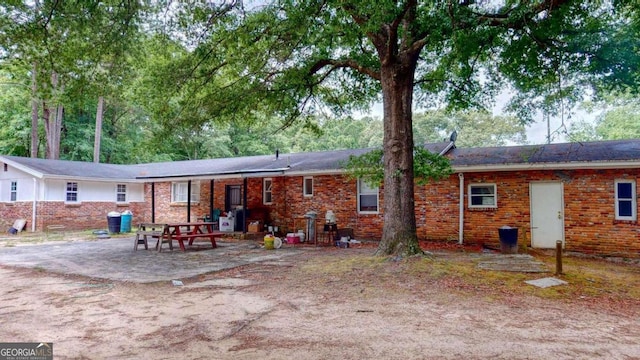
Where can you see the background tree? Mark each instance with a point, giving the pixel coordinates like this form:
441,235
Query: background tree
15,93
474,128
65,43
618,118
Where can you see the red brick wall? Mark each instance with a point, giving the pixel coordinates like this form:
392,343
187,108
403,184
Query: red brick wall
10,212
83,216
589,216
330,192
166,211
590,224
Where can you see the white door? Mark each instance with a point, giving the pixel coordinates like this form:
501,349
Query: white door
547,214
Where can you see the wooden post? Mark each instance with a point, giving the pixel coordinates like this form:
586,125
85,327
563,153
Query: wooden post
559,257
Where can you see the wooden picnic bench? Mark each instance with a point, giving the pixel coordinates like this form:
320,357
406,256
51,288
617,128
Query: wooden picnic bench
153,230
188,231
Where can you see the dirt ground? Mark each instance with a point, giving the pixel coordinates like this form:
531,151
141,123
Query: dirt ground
333,304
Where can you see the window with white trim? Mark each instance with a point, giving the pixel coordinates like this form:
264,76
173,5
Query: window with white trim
121,193
367,197
625,199
483,196
180,190
267,191
14,190
307,186
72,192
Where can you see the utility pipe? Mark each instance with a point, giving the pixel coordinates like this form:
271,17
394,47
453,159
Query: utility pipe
35,203
461,215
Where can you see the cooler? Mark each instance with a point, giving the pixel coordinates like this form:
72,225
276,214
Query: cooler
226,223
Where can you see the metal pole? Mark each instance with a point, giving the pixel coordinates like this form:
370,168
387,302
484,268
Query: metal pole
211,200
189,201
244,206
153,202
559,257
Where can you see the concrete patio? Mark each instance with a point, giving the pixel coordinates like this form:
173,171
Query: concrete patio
114,258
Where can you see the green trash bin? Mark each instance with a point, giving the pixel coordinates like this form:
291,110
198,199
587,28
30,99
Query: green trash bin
125,221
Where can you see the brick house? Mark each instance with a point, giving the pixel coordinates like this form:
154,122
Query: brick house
583,194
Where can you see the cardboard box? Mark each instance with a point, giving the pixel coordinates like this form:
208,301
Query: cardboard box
255,226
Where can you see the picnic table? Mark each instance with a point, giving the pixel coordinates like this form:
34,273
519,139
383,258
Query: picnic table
188,231
181,232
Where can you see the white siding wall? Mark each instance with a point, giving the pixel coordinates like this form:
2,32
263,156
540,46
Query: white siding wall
24,180
56,190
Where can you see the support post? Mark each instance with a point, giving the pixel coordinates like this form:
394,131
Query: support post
189,201
153,202
211,184
559,257
244,206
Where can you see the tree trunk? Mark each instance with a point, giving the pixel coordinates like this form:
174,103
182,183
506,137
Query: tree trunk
399,233
96,144
34,113
53,120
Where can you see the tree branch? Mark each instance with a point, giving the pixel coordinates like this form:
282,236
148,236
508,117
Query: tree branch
336,64
504,19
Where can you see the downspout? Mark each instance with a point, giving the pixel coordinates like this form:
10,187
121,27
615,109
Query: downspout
461,216
35,204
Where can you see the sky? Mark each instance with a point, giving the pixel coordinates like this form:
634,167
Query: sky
536,132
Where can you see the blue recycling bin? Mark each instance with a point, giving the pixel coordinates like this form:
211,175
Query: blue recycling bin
125,221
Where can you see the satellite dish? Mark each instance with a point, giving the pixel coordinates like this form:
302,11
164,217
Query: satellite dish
454,136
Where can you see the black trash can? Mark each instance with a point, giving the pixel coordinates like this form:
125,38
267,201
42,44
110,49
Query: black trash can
508,240
114,220
240,215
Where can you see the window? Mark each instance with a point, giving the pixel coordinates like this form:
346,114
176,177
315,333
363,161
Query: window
267,194
179,191
121,193
72,192
367,198
625,199
482,196
14,190
233,197
307,186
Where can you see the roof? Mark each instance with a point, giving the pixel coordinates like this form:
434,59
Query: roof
261,165
322,161
69,169
597,154
600,154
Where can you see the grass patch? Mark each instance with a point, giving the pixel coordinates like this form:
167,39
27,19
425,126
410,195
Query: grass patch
589,280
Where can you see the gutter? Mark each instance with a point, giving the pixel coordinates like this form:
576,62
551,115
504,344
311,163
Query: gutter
548,166
84,178
225,174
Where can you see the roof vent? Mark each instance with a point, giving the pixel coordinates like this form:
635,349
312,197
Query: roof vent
277,154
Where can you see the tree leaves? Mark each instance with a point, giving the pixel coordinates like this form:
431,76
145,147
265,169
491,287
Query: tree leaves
427,166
